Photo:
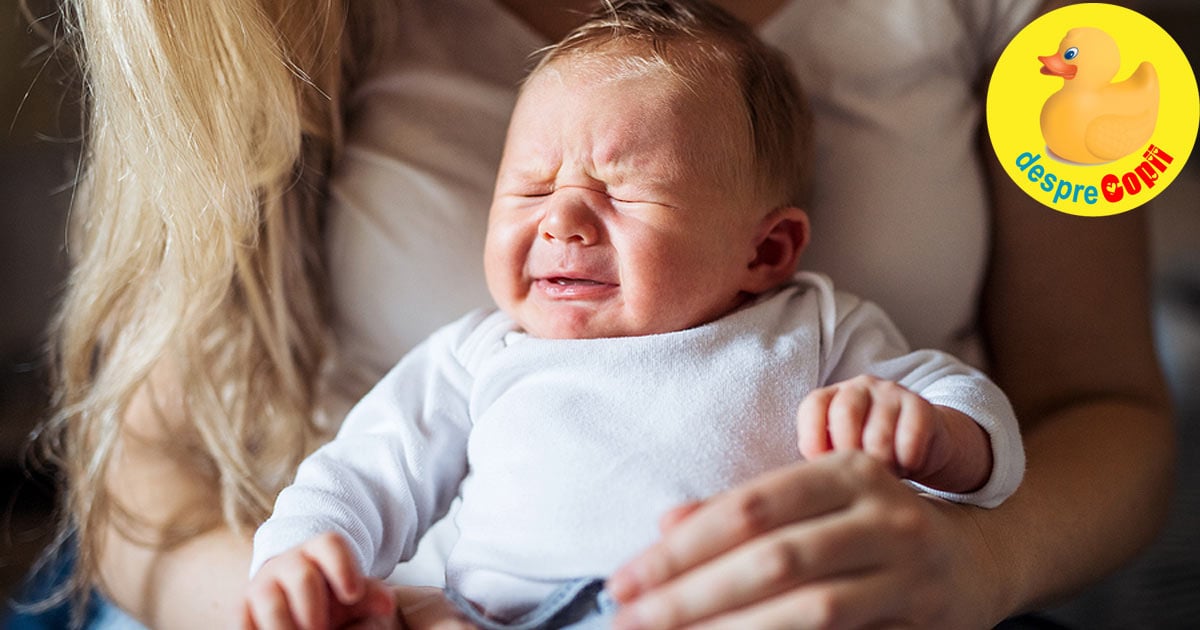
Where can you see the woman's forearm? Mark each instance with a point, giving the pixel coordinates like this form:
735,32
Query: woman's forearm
1095,492
196,584
1066,317
164,581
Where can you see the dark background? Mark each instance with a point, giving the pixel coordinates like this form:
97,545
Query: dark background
38,128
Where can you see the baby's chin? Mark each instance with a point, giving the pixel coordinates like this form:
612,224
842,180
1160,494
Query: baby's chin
577,327
581,327
591,321
565,330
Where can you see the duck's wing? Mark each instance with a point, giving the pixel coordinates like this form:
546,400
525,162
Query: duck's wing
1133,107
1112,137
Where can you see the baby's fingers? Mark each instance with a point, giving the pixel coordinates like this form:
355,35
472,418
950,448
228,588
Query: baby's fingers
375,609
915,435
267,608
811,422
378,600
879,434
332,555
848,413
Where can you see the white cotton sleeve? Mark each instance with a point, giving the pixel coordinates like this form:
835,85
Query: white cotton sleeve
981,400
391,471
861,340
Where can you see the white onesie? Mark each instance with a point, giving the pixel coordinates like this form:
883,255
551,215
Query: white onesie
569,451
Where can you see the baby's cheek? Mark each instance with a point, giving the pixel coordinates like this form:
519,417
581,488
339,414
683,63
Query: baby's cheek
503,270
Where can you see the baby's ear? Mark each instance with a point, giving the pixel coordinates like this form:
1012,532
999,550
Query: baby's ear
781,238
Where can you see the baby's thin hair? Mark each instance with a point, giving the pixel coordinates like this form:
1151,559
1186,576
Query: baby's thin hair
699,42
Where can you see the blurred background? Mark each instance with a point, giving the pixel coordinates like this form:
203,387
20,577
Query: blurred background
39,123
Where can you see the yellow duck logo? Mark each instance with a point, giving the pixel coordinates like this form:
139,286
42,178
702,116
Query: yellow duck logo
1091,119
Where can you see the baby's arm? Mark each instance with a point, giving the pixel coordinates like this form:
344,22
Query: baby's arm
933,445
359,504
315,585
857,339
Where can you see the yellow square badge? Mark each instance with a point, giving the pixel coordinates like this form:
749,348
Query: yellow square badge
1092,109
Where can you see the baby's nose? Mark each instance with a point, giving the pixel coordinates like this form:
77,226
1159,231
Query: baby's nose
570,218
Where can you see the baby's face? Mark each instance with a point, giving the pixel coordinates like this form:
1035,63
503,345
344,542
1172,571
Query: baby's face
623,206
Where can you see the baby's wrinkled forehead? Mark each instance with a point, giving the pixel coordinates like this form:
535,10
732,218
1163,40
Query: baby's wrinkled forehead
611,64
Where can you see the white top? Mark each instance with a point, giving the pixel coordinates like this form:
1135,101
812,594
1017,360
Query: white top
569,451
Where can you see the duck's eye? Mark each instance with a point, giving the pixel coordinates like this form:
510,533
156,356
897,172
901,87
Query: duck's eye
1071,53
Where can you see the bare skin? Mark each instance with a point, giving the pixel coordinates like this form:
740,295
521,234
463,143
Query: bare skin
1081,401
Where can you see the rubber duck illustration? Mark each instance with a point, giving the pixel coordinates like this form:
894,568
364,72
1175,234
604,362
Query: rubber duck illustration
1091,119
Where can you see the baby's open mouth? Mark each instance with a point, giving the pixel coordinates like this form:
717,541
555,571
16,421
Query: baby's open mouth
574,281
566,287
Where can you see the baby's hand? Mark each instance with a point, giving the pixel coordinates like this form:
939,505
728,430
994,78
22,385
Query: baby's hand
314,586
934,445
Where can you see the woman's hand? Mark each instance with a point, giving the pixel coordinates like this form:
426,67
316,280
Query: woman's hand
837,542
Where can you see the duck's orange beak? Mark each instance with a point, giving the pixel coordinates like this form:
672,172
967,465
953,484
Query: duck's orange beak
1055,66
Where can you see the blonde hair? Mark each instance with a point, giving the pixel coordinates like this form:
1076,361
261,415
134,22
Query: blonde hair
195,248
699,43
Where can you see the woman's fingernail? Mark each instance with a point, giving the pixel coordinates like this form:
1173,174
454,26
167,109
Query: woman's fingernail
627,620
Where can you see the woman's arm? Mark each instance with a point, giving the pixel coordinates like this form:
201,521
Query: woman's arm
195,584
1067,318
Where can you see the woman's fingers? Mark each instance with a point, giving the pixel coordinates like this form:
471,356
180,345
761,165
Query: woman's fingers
791,494
676,515
847,602
789,557
851,546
